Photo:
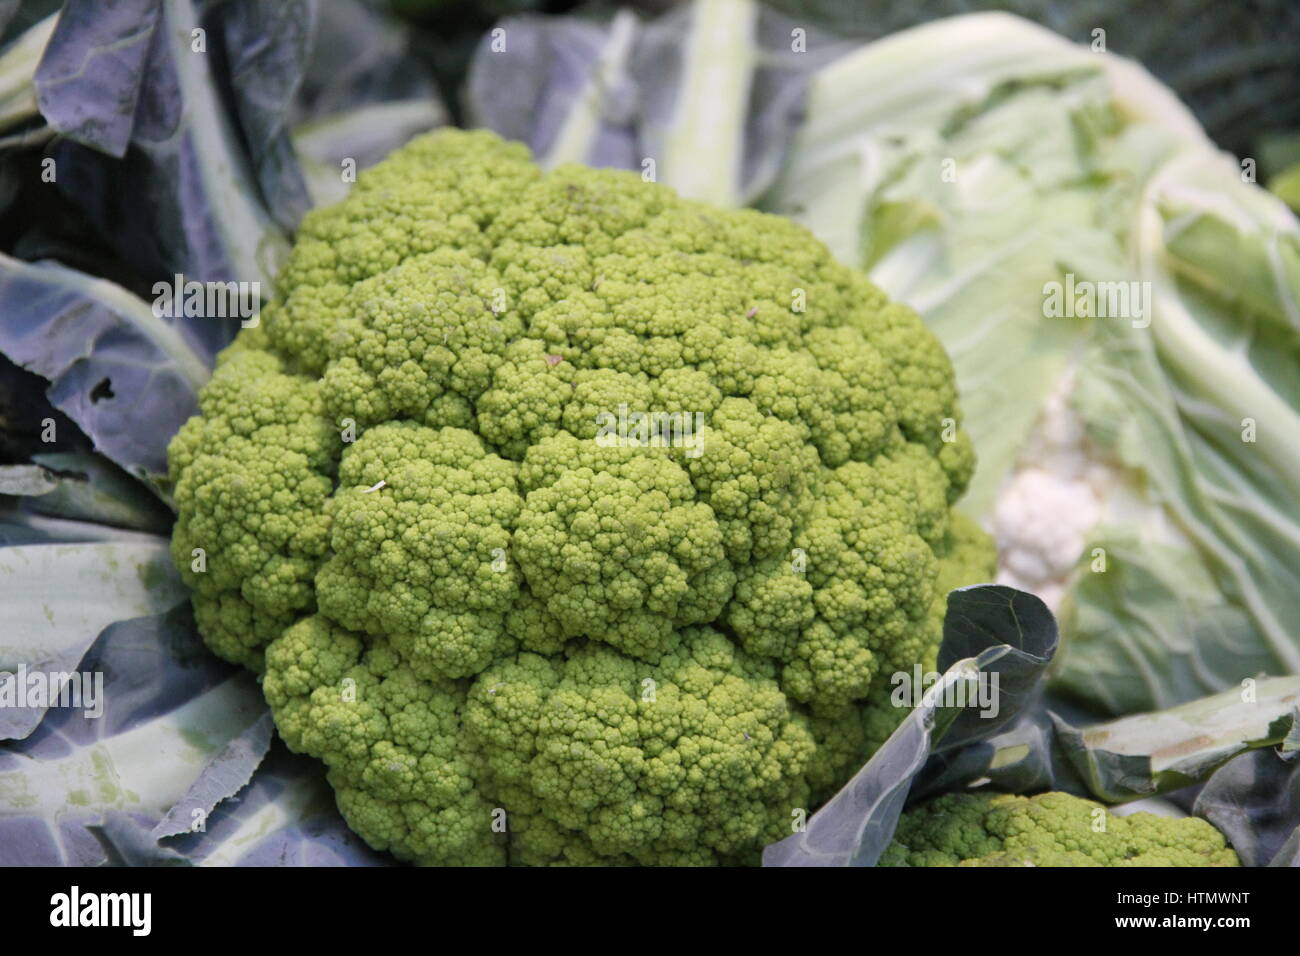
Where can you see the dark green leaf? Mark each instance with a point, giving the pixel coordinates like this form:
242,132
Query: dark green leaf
126,376
992,634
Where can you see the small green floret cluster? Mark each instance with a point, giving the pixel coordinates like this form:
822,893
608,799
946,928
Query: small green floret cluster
1050,829
510,641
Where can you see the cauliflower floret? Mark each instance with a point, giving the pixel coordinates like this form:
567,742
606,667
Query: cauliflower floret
1050,829
1050,503
1041,524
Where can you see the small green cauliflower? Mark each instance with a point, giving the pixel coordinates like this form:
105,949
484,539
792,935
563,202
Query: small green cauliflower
423,499
1050,829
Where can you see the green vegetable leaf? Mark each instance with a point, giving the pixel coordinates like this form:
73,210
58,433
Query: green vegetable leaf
1206,409
170,714
17,67
51,624
1231,67
127,377
84,487
1132,758
708,92
1013,162
285,817
1255,801
1008,638
365,134
26,480
227,773
1147,754
138,102
162,776
1286,186
948,745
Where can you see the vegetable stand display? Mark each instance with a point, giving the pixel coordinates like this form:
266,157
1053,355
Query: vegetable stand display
729,439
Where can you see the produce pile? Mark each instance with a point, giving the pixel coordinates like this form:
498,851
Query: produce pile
802,450
648,562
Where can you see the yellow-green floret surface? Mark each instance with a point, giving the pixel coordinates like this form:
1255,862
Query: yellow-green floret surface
514,630
1050,829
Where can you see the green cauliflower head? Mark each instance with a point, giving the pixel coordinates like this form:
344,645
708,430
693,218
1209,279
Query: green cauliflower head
1050,829
569,521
